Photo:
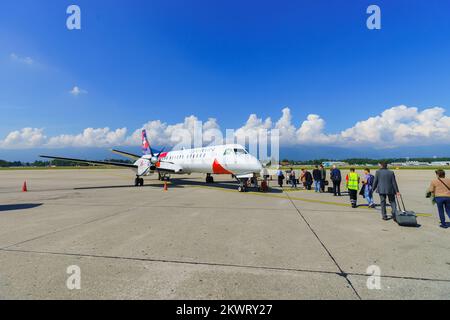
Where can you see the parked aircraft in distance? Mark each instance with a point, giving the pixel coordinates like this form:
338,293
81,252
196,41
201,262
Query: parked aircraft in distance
231,159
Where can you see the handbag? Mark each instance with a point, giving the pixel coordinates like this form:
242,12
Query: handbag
430,195
362,191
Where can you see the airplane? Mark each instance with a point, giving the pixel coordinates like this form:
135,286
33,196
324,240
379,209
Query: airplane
229,159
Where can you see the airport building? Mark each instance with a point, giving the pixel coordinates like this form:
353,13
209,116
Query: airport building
334,163
421,164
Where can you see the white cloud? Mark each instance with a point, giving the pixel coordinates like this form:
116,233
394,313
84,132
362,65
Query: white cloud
76,91
25,60
90,137
160,133
253,127
312,132
286,129
397,126
24,138
400,126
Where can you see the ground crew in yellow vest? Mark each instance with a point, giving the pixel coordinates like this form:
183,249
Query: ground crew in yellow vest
352,180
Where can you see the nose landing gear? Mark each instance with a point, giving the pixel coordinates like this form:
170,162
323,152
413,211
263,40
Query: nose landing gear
245,183
242,184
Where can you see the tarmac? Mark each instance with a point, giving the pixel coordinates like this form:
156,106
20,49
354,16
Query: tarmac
199,241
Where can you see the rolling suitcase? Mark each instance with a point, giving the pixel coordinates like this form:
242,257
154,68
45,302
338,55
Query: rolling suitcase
405,218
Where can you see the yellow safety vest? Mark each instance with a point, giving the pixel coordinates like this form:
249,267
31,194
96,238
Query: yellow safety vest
353,183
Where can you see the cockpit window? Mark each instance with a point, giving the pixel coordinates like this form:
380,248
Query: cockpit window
235,151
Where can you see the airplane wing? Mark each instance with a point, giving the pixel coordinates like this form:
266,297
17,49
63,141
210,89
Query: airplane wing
118,164
126,154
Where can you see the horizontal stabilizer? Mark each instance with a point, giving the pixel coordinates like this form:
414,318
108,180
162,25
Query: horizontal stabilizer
126,154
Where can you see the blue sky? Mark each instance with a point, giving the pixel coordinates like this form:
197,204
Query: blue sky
165,60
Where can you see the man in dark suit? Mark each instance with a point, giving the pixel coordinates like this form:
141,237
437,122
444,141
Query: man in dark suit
386,186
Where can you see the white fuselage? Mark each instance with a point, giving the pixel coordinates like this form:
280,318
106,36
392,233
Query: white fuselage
223,159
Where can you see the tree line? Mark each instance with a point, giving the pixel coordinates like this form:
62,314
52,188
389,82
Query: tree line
354,161
51,163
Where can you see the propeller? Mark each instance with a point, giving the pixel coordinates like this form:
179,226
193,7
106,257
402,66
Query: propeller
154,159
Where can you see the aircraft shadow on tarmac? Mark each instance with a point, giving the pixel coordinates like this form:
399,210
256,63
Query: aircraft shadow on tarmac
181,183
228,185
21,206
157,185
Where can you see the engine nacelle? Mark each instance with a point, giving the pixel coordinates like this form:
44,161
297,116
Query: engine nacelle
143,166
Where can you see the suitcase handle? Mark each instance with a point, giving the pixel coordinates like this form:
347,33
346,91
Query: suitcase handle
403,204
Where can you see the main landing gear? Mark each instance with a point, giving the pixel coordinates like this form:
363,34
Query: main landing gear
138,182
242,184
209,178
245,183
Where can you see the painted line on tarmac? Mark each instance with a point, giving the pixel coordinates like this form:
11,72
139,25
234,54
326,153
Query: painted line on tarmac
341,271
425,215
218,264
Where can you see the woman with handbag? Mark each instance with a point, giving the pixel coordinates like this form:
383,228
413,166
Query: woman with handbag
440,188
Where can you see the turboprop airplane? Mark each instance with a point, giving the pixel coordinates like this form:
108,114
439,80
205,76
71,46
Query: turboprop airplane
231,159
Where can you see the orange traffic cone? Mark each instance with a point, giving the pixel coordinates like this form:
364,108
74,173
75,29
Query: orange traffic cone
24,187
165,186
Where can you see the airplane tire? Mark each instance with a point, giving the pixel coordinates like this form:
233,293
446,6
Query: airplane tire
136,182
141,182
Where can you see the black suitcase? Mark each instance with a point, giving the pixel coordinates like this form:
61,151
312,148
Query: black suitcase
330,190
405,218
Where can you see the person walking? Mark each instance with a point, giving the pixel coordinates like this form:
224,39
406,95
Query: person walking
293,179
307,179
440,188
352,182
368,187
385,184
280,177
323,178
317,176
336,178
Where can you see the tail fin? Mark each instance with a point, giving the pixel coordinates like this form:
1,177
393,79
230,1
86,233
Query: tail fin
146,149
